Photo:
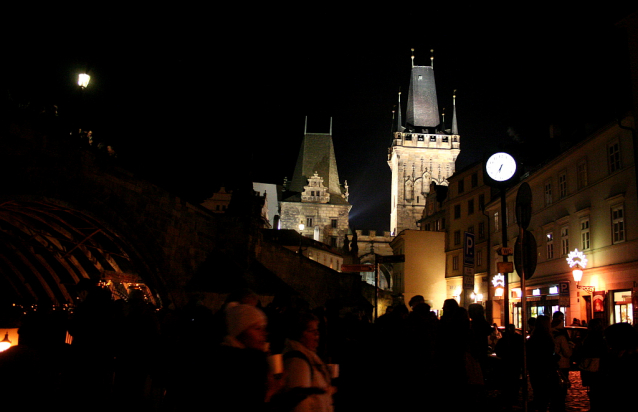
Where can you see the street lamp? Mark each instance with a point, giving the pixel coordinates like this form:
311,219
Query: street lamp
578,261
301,228
83,80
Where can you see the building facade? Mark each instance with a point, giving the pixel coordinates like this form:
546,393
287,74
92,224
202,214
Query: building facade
423,272
584,199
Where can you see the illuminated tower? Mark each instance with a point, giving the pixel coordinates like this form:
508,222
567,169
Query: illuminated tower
422,151
316,198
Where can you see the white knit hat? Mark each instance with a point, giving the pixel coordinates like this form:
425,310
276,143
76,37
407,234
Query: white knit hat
240,317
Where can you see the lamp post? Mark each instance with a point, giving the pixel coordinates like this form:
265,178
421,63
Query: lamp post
301,228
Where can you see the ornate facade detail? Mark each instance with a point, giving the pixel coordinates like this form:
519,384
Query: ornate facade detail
315,192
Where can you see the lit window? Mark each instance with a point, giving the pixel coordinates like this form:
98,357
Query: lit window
550,245
618,223
584,234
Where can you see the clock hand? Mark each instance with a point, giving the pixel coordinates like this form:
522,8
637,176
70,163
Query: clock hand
499,169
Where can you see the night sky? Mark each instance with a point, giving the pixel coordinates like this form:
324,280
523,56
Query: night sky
193,99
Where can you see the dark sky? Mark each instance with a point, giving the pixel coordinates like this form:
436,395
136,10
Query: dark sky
192,98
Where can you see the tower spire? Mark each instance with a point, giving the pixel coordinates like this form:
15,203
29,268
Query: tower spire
432,58
412,58
398,125
455,127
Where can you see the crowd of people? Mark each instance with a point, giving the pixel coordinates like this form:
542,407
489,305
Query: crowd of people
286,357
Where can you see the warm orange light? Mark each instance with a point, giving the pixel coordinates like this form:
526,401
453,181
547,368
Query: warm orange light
498,292
578,275
5,343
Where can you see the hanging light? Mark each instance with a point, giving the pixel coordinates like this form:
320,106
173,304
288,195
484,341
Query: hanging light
83,80
5,343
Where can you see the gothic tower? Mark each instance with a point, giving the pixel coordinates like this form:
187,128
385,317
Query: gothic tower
422,152
315,197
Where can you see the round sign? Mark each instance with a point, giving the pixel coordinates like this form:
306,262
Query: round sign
524,205
525,254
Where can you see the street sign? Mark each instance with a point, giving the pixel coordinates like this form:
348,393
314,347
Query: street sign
468,278
468,250
390,259
525,254
357,268
505,251
504,267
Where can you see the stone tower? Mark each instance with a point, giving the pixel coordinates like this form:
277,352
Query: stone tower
422,151
315,197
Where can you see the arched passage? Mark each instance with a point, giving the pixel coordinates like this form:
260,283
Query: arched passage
47,247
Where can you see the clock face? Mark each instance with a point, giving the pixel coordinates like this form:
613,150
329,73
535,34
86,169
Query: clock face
501,166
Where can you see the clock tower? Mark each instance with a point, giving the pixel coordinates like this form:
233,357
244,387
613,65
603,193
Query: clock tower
423,150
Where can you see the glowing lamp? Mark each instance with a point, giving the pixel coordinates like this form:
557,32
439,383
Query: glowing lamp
498,292
578,274
83,80
5,343
301,227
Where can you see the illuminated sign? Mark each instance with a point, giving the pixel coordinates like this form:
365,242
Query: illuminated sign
498,281
536,292
577,258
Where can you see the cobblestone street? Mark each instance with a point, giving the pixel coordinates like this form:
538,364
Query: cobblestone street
577,399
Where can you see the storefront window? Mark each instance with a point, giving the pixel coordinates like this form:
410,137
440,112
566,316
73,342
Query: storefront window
623,309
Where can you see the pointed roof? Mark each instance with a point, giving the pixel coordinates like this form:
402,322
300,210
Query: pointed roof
423,108
317,154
